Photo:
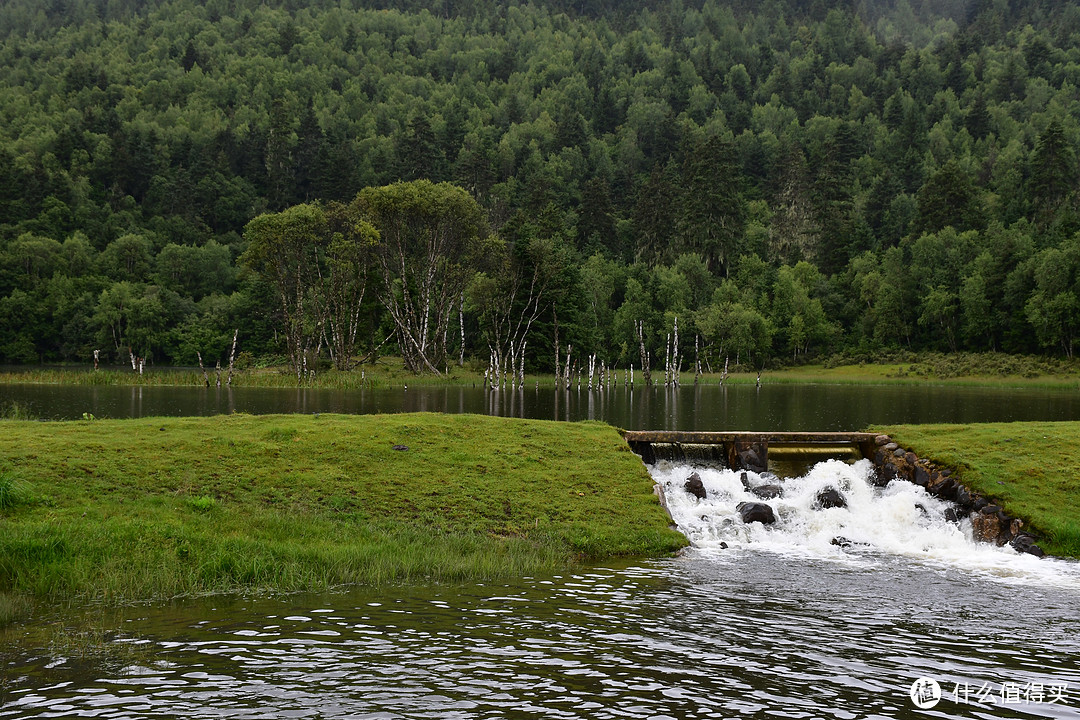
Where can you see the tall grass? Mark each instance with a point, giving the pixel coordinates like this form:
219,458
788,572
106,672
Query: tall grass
160,508
16,410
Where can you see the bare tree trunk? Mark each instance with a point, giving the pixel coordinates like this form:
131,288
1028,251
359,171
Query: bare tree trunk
676,380
206,380
555,321
232,355
521,365
97,356
697,360
461,324
644,355
217,369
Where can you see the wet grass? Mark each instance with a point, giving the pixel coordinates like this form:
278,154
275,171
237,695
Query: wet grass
1032,469
121,510
899,368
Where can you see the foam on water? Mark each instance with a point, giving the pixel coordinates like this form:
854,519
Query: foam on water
901,519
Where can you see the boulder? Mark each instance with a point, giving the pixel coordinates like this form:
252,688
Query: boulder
830,497
890,446
695,487
768,492
882,440
841,542
756,512
921,477
1024,543
751,460
985,527
954,514
745,480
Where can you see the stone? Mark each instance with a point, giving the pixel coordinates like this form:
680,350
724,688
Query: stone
912,458
986,527
841,542
963,497
745,480
921,477
990,509
889,447
695,487
768,492
882,440
946,489
979,503
751,460
899,452
1025,543
830,497
400,447
954,514
756,512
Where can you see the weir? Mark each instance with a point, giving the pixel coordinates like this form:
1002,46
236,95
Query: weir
748,450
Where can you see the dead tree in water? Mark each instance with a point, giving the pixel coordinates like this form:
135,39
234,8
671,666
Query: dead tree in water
640,327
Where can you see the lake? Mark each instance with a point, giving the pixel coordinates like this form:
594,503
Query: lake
750,622
704,407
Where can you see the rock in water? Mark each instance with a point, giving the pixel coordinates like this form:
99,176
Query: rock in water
1024,543
756,512
695,487
768,492
830,497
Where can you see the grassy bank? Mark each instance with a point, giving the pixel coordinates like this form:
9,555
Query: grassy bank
1032,469
973,369
162,507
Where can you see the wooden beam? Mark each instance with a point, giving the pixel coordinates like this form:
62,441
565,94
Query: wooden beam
769,438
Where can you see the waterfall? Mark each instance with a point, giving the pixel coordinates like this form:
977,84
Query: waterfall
875,523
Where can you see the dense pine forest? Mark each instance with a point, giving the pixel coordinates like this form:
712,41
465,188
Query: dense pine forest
781,180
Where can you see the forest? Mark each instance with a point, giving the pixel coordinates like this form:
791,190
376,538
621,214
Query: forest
481,181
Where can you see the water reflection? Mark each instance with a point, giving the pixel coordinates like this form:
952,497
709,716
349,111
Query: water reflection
701,407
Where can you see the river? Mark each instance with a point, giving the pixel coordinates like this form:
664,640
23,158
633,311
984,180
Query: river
749,622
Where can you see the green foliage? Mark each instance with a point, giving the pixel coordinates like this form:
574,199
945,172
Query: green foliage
138,143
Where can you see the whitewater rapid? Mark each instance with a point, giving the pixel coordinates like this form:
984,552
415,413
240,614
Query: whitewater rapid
878,523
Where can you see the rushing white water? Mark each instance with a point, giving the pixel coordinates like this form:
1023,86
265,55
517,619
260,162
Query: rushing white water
901,519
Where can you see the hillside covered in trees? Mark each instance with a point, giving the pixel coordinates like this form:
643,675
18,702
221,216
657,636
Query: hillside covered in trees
787,178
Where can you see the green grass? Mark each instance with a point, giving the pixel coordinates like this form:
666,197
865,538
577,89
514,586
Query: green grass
119,510
1032,469
898,368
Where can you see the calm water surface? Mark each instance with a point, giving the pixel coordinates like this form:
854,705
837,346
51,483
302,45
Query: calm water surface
779,623
705,407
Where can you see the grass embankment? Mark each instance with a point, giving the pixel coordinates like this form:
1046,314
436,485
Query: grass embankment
120,510
1031,469
972,369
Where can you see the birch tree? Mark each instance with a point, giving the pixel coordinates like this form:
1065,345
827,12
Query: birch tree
284,248
524,282
430,240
